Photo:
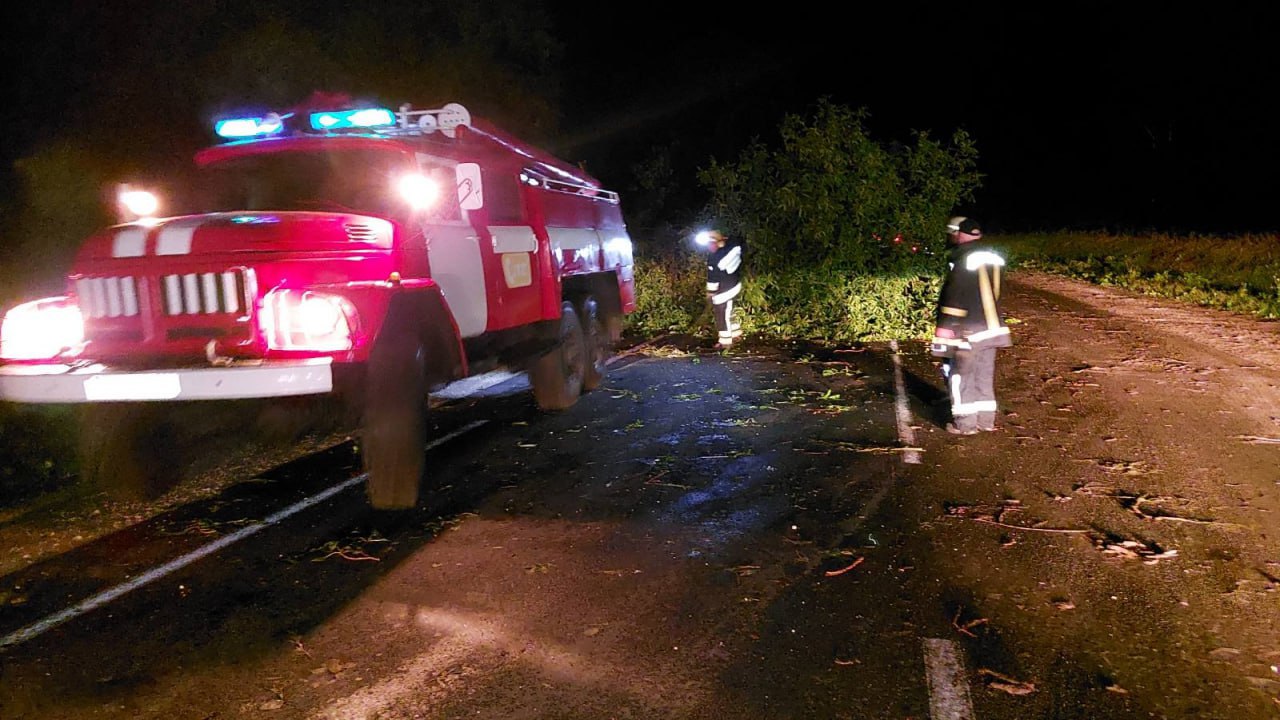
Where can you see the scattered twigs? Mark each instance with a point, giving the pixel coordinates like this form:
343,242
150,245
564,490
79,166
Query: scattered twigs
967,628
1004,683
1134,504
994,516
298,646
845,446
1066,531
845,569
353,555
1258,439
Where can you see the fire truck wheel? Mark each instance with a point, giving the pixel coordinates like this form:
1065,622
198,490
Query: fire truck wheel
558,375
119,447
393,438
599,348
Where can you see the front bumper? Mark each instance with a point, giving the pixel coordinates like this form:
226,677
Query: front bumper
99,383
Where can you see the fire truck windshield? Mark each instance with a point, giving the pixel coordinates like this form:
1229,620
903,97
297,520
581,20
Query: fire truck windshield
359,181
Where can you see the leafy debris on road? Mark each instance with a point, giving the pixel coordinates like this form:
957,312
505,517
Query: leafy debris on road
1148,552
847,446
1124,467
196,527
346,552
667,351
334,548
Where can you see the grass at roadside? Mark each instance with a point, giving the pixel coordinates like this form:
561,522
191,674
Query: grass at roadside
823,304
1240,274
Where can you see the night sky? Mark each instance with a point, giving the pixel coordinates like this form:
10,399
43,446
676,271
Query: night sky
1084,117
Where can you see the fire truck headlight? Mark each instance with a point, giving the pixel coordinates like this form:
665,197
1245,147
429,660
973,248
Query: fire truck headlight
140,204
42,330
420,191
304,320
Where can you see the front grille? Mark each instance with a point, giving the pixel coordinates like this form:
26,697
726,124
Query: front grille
103,297
205,293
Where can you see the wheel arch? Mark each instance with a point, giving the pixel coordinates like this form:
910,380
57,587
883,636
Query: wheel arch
603,286
425,312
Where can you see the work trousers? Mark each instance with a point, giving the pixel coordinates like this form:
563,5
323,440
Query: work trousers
973,395
726,328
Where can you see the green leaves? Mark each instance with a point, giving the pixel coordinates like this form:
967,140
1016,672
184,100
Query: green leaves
831,195
816,303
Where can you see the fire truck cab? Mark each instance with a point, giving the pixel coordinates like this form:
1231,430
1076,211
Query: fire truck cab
376,253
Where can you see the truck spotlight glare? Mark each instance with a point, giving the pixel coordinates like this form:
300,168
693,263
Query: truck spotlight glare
141,203
42,330
420,191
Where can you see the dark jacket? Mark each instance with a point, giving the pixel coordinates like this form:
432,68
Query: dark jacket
969,304
723,272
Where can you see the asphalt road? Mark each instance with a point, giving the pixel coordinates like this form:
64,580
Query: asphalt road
780,532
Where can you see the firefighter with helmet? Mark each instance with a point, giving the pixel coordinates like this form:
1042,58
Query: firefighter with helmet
969,328
723,283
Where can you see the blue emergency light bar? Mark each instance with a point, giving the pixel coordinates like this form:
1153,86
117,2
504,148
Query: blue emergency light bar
237,128
364,118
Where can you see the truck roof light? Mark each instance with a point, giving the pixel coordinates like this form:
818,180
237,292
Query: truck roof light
247,127
364,118
141,203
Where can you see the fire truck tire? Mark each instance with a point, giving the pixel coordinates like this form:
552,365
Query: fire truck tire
557,377
393,438
118,450
599,347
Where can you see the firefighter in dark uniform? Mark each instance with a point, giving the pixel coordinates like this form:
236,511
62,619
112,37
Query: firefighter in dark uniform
969,328
723,283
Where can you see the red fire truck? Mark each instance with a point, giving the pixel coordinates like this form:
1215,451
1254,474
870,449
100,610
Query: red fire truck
374,253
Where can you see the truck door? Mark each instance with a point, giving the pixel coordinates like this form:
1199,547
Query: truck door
456,265
454,250
512,271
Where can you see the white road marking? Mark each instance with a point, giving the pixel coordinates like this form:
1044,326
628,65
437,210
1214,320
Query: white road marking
49,622
948,688
905,433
